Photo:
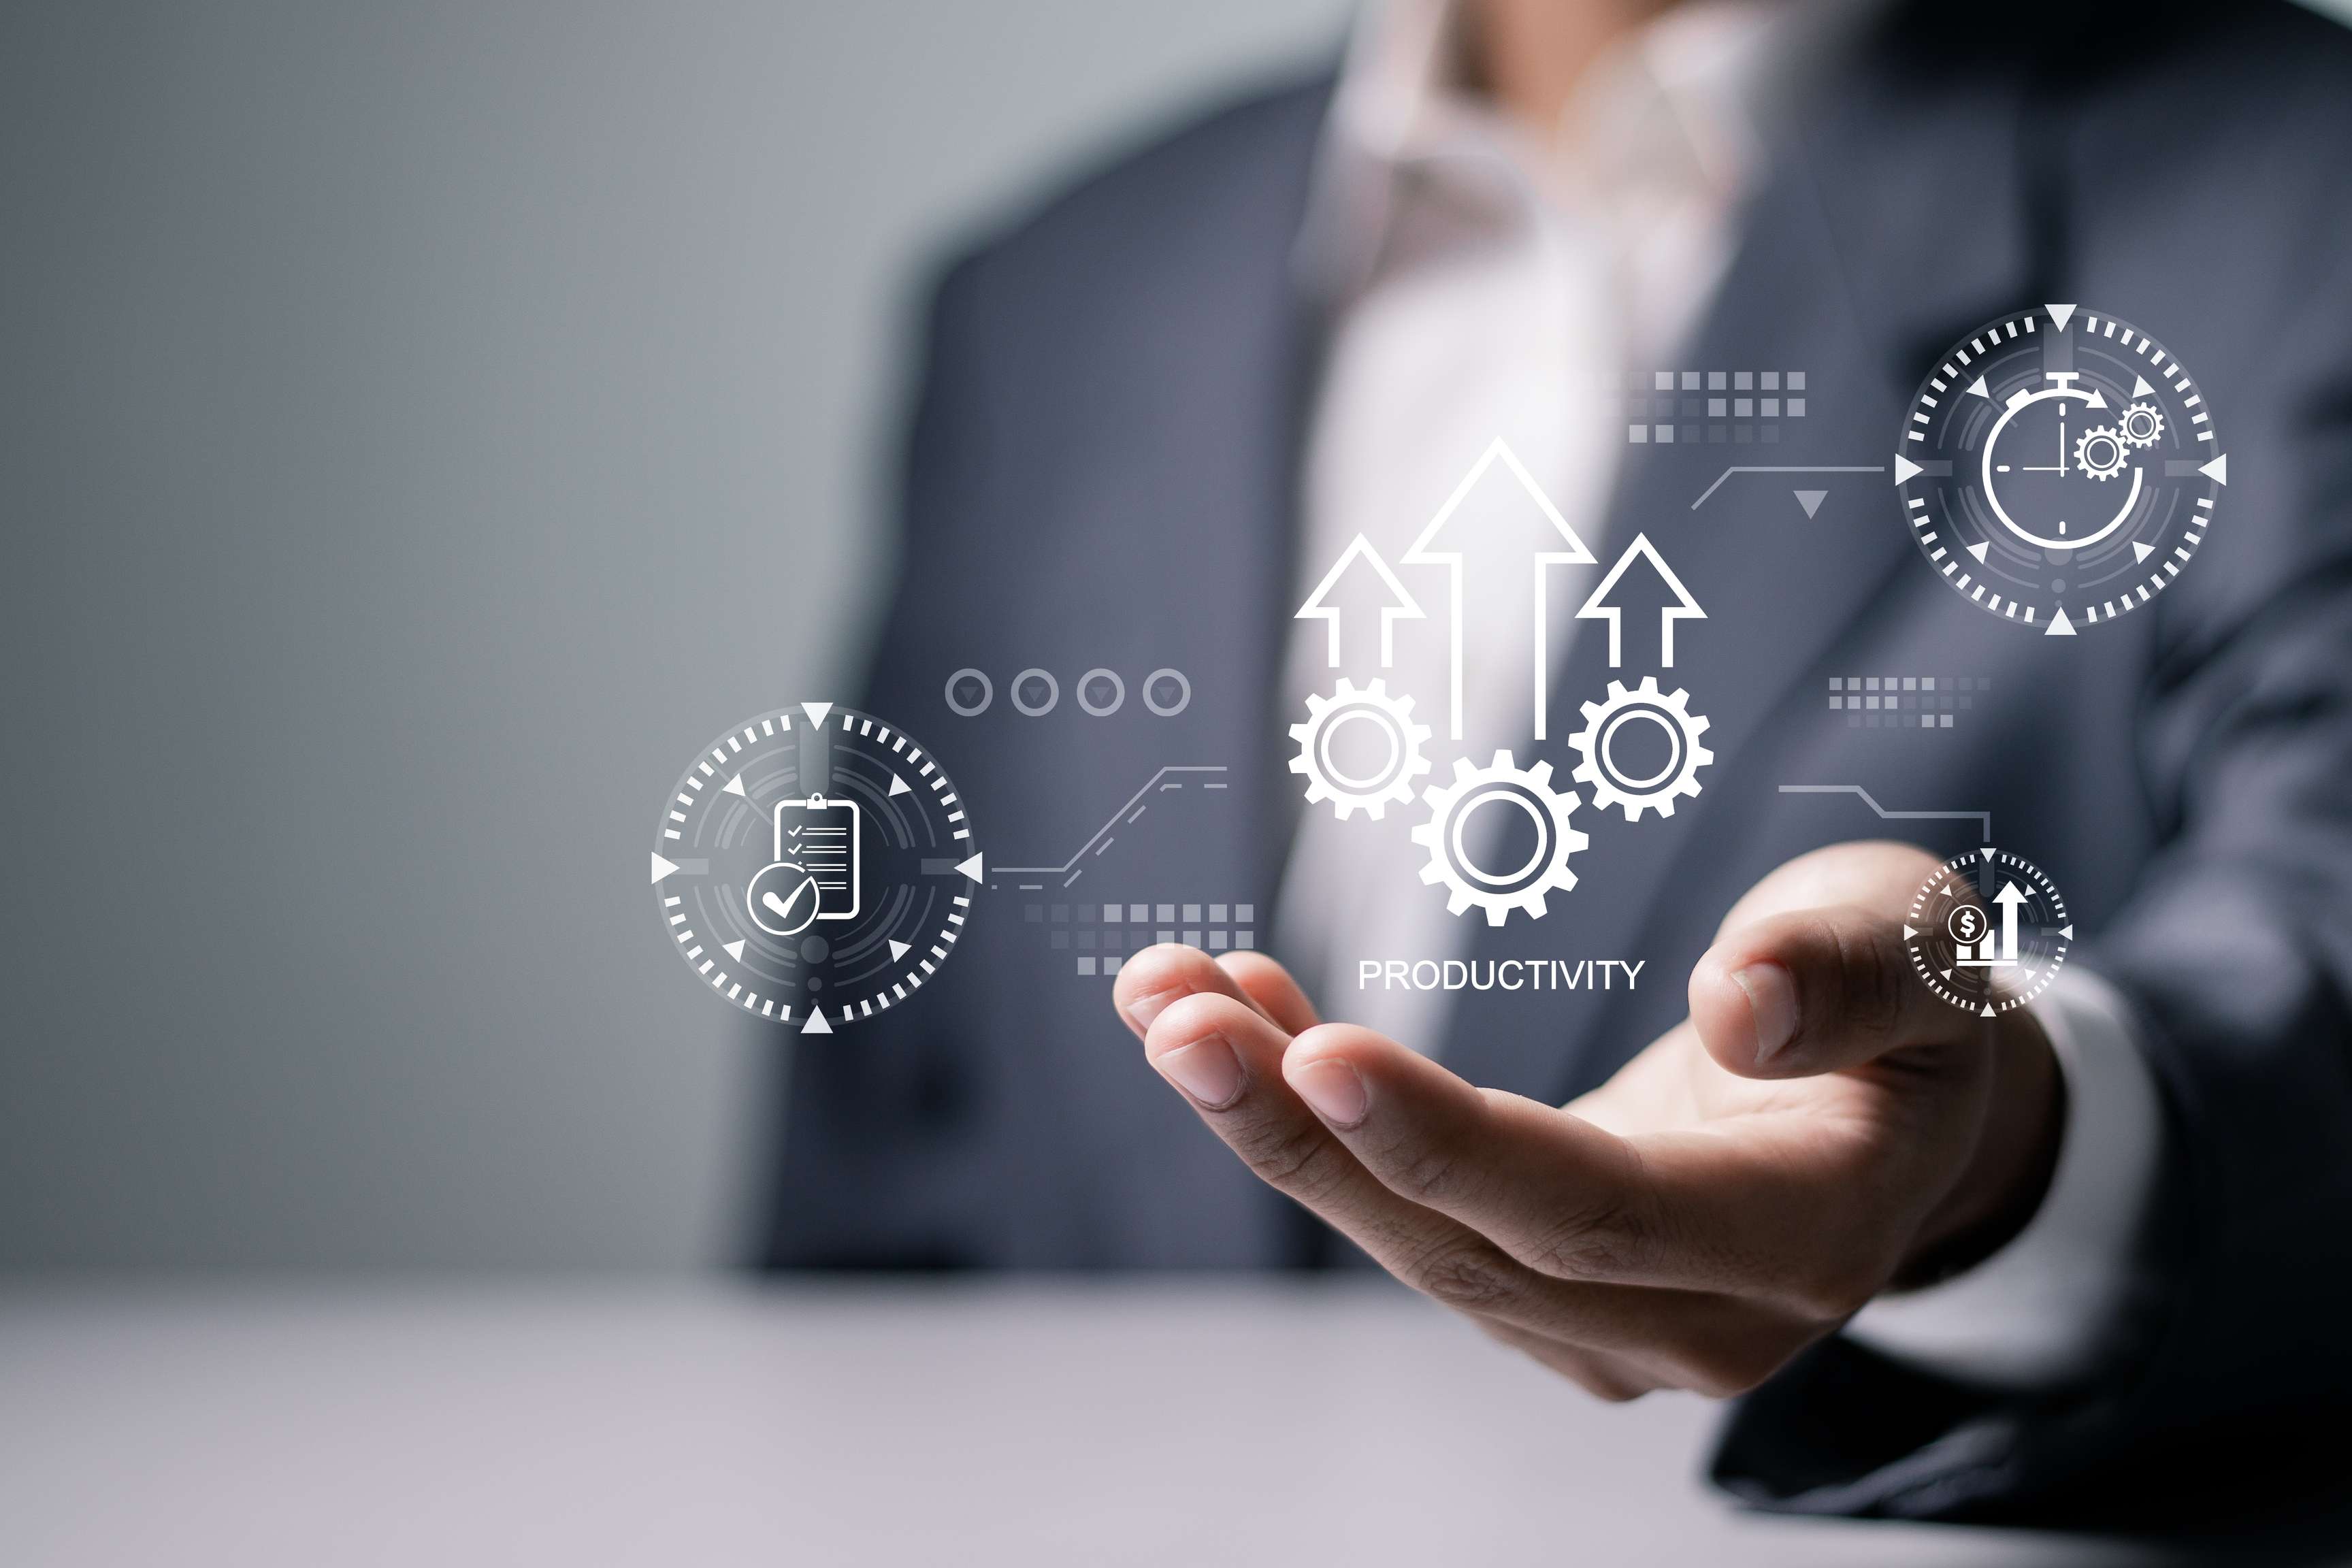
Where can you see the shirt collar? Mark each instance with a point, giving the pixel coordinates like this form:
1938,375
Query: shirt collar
1674,110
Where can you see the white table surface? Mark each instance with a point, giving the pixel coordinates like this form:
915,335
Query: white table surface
951,1425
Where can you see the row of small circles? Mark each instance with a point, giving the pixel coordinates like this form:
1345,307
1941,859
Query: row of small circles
1054,692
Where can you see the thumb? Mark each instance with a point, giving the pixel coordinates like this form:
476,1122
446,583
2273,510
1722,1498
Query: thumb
1814,991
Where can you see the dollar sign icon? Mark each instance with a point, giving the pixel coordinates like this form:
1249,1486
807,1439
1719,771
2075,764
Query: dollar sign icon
1966,924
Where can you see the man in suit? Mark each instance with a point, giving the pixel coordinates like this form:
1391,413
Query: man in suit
2080,1263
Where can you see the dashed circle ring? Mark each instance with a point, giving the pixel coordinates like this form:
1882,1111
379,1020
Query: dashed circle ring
2022,931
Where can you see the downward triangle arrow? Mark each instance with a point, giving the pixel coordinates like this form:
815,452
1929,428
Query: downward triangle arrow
898,950
734,786
1979,550
1905,469
899,785
1988,852
817,1024
1811,500
2059,626
2218,471
662,868
818,713
1981,389
2060,315
2142,552
734,949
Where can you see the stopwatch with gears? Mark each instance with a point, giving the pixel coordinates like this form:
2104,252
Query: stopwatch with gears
2059,468
814,866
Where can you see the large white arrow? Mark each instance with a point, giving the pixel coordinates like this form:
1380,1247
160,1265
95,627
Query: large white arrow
1318,608
1439,546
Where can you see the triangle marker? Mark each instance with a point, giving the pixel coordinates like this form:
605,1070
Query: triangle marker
1988,1012
734,949
1979,550
734,786
1811,500
2059,627
2218,471
1981,389
899,785
662,868
972,868
2142,552
1906,471
1988,852
817,1024
818,713
898,950
2140,388
2060,315
1908,933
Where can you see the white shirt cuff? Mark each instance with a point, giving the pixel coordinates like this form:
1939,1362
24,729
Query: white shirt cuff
2038,1312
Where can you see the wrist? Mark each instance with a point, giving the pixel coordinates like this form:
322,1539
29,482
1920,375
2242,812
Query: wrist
2008,1173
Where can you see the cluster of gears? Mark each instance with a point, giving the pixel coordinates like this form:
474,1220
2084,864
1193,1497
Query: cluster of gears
1502,783
2101,451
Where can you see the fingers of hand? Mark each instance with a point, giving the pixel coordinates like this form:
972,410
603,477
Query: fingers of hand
1734,1212
1161,975
1270,987
1815,991
1229,1061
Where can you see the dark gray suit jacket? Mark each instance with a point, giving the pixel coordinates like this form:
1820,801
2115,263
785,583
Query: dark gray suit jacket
1103,473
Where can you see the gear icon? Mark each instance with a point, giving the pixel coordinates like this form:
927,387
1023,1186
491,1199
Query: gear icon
2100,452
2143,423
1393,780
1612,784
1545,866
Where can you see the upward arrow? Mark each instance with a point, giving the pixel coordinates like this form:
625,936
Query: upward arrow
1673,602
1321,608
2009,897
1518,529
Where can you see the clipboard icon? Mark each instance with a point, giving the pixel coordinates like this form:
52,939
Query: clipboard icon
820,837
814,875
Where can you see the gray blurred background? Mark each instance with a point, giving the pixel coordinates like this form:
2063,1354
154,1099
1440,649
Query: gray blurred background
411,415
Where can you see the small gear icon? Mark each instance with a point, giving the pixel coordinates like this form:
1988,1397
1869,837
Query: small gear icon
2142,423
1635,793
1543,868
2100,452
1327,780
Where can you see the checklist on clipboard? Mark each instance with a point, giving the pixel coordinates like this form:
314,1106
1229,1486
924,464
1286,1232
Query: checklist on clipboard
820,837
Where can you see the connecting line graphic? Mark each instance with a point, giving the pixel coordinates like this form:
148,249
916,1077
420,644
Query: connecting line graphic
1778,468
1071,869
1985,817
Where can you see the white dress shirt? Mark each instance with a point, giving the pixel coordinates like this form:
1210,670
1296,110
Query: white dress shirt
1488,282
